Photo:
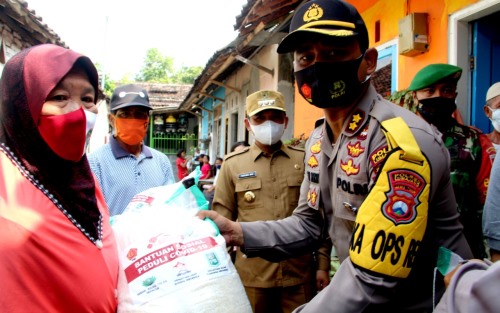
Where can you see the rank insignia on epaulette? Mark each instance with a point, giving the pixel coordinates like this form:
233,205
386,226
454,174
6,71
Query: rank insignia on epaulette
356,121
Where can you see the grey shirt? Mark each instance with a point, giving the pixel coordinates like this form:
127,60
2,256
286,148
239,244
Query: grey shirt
491,213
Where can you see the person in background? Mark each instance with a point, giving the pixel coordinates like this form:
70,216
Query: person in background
205,167
435,88
376,177
57,250
194,161
126,166
492,111
181,162
218,163
263,183
209,189
216,167
491,214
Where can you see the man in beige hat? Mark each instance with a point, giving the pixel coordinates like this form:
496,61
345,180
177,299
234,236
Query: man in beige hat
492,111
262,182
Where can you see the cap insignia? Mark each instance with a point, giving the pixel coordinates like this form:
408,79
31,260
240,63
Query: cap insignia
266,102
315,12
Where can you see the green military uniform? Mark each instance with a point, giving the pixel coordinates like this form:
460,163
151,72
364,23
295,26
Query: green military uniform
253,186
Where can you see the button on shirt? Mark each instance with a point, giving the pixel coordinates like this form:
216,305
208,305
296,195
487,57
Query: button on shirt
122,175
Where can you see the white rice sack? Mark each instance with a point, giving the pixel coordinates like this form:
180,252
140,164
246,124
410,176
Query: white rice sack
171,261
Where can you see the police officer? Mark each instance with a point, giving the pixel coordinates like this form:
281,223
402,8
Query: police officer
471,153
262,182
377,177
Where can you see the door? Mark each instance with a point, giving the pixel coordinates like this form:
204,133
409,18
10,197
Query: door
485,62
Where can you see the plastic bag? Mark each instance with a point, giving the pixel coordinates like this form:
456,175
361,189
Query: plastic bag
170,260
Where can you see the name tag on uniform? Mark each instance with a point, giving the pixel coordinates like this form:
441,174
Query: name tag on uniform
247,175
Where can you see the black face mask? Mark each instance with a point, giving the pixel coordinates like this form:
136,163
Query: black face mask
437,111
330,84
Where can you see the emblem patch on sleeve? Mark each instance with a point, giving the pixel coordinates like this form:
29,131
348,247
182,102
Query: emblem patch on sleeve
312,197
402,197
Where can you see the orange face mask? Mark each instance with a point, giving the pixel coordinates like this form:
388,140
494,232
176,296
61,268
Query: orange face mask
131,131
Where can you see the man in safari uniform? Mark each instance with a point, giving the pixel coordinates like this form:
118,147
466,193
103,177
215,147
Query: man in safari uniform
262,182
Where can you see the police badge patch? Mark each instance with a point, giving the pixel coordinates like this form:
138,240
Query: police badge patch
402,197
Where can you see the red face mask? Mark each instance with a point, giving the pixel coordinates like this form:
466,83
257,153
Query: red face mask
65,133
130,130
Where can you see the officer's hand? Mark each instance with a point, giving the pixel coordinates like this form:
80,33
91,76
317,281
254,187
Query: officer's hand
449,276
322,279
231,231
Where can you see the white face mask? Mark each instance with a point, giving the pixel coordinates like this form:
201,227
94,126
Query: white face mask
268,133
91,118
495,118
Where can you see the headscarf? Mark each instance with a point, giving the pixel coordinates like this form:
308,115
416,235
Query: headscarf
27,80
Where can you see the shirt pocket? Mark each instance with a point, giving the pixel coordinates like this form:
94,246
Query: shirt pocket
246,189
349,196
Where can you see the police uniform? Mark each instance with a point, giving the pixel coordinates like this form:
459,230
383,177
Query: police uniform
338,178
253,186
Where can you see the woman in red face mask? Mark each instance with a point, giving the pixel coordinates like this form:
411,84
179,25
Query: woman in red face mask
57,250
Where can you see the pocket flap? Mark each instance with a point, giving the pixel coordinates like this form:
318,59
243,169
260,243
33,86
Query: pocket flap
248,184
294,181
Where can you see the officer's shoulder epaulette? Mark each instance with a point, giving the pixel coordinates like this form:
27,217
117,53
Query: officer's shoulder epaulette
235,153
319,122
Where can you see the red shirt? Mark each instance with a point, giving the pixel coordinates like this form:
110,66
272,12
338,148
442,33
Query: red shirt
47,263
182,170
205,171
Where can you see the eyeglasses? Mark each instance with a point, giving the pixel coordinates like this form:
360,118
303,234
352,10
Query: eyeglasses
124,93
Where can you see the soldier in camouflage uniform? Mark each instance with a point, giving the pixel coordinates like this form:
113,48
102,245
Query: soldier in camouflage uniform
435,88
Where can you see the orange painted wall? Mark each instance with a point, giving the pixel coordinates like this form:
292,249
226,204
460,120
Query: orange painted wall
389,12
